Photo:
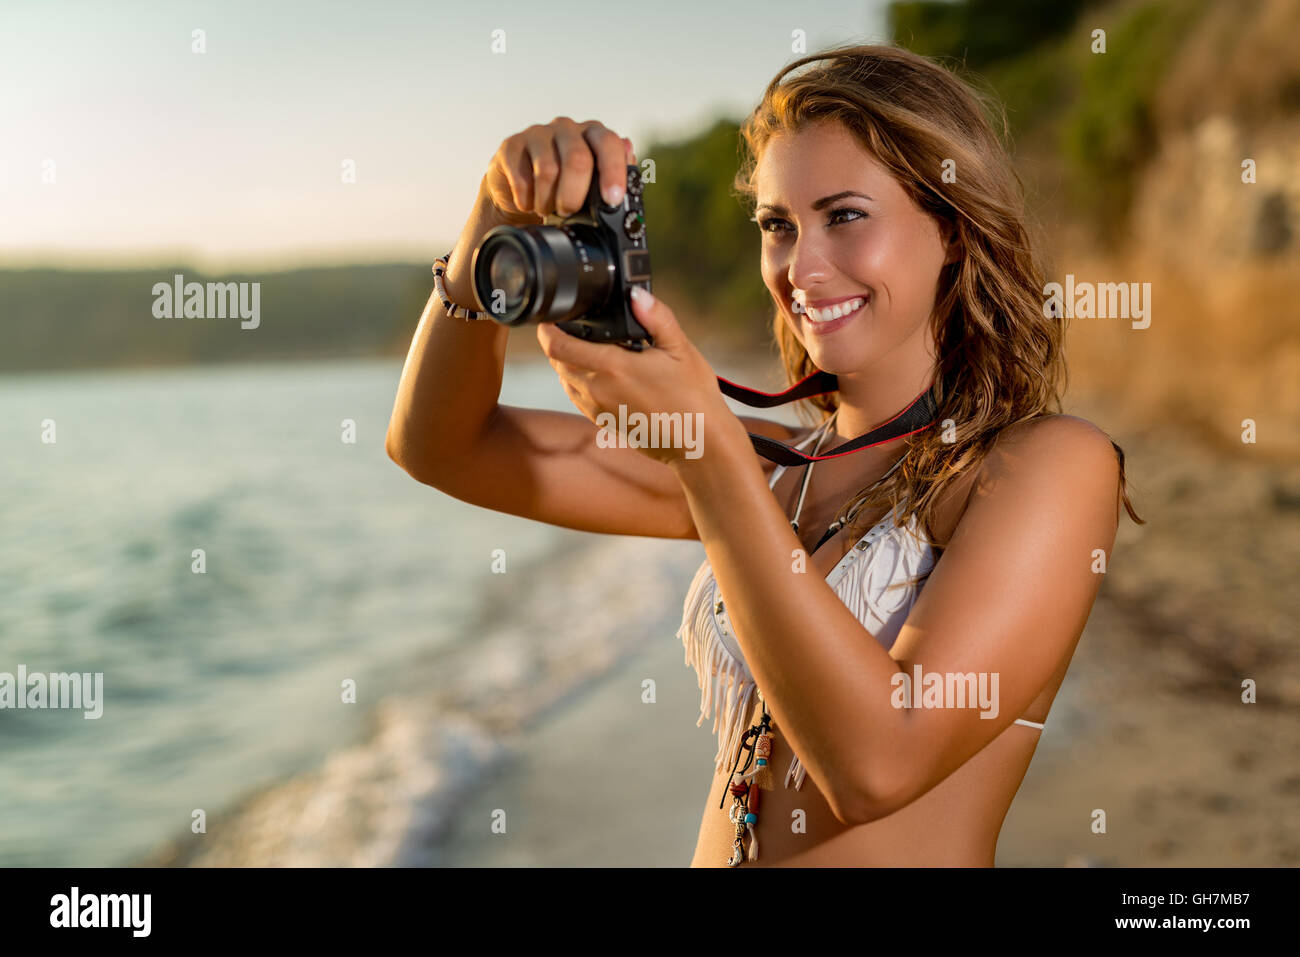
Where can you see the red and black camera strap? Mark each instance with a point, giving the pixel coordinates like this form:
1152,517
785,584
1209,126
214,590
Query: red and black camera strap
919,414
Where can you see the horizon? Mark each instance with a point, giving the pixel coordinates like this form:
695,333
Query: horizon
229,149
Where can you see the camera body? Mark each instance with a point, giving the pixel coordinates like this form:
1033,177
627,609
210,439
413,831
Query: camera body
576,271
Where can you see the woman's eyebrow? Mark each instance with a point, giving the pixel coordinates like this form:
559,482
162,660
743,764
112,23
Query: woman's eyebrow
820,204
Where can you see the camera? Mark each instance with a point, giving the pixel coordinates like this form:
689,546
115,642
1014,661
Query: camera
576,271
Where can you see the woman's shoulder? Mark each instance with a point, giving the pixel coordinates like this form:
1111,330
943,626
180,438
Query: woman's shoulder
1061,451
1054,448
1054,435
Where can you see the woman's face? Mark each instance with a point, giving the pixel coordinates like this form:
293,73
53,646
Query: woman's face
871,244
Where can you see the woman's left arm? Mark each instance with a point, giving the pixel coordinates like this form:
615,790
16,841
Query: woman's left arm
1009,596
1009,599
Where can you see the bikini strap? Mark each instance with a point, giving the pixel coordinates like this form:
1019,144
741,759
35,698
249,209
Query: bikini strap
803,489
836,525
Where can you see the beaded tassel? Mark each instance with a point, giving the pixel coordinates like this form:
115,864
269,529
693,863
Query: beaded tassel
739,813
746,787
763,758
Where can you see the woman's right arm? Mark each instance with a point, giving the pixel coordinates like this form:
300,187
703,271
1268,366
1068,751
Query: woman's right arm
449,431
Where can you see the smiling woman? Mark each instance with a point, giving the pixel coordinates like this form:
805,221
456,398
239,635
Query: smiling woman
895,250
921,256
969,550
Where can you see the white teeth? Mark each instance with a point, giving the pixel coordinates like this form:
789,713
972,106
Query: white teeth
835,311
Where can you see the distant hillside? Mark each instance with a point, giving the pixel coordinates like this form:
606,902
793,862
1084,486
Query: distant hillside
1132,160
69,319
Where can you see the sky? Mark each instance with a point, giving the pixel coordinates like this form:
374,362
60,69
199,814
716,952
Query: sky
120,145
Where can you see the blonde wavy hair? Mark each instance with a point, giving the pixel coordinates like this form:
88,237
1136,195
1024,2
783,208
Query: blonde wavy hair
1000,360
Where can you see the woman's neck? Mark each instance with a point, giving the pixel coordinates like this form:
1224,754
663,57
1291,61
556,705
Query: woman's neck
868,401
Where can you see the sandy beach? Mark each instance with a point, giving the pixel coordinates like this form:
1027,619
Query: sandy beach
1185,780
574,768
575,797
1149,725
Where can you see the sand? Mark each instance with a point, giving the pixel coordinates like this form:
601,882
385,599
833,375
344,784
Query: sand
1149,726
573,797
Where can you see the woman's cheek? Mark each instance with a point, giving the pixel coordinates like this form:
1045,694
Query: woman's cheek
769,280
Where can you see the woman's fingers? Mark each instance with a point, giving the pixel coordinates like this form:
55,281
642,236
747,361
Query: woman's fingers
611,160
548,168
545,169
510,179
576,166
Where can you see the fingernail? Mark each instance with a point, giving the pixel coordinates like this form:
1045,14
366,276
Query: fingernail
641,295
613,194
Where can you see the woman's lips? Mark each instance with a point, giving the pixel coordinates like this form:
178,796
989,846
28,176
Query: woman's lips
830,325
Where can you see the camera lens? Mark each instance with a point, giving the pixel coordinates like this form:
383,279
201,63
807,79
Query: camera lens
509,273
542,273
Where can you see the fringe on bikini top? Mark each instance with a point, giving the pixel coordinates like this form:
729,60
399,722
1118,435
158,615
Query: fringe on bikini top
878,580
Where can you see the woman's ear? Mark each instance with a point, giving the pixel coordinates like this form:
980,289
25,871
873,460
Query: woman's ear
953,248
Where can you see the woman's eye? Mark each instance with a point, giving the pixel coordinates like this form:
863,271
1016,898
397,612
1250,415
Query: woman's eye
764,224
857,214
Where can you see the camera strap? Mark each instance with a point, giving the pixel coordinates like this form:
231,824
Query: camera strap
919,414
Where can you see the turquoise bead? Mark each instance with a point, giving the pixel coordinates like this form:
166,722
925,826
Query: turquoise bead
751,818
762,762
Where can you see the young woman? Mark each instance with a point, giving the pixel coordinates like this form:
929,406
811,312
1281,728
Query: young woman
894,248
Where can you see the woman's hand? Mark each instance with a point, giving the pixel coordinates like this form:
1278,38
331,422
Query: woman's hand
540,171
665,397
547,168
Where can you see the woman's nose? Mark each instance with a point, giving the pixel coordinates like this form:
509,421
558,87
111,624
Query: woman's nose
809,265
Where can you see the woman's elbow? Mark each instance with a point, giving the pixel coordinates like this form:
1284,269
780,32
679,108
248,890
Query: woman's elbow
409,459
396,446
867,801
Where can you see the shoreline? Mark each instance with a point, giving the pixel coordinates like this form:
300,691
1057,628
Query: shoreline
1187,777
391,798
1149,725
606,780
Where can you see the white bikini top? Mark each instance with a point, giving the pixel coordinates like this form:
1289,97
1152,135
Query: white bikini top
878,579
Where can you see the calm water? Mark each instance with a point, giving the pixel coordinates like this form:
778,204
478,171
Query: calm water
324,562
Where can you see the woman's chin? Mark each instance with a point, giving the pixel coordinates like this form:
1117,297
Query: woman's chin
837,361
838,355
